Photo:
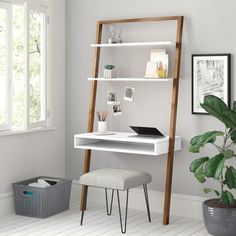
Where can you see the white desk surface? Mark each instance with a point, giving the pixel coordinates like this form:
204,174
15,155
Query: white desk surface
125,143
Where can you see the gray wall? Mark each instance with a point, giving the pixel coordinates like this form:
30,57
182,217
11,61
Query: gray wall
208,28
41,153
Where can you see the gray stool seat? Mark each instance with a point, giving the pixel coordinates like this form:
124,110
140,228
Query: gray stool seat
116,180
119,179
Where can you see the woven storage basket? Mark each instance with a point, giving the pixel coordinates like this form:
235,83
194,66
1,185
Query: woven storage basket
41,202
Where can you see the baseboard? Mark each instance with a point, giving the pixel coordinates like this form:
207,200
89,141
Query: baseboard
6,204
181,205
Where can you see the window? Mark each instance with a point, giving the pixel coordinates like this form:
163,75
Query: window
23,60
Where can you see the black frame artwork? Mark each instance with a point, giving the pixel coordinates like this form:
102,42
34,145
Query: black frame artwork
210,76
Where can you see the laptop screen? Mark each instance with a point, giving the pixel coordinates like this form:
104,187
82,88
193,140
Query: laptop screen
146,131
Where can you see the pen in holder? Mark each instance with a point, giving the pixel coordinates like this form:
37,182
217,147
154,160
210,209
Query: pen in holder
102,121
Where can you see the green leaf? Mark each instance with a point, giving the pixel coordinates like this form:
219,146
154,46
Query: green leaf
199,175
229,154
214,166
217,108
233,135
227,198
230,177
196,163
219,169
210,190
194,149
201,140
234,106
201,178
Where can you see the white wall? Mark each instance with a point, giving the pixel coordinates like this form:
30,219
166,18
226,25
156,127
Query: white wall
40,153
208,28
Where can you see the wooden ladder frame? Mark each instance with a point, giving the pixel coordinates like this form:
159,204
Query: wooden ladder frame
174,103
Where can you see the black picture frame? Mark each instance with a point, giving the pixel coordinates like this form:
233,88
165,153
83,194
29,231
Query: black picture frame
204,68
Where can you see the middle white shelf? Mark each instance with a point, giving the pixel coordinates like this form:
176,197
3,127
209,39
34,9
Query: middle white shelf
125,143
132,79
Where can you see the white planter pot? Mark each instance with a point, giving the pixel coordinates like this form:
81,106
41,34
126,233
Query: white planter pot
109,73
102,126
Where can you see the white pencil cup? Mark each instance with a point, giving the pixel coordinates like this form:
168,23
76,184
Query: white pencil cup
102,126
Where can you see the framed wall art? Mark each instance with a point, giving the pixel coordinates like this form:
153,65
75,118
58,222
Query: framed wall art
210,76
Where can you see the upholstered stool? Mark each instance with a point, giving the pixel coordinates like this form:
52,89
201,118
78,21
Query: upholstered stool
119,180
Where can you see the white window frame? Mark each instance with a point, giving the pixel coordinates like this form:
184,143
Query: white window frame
8,8
36,7
42,7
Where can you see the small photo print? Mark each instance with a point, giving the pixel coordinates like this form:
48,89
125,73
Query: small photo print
117,109
129,94
111,97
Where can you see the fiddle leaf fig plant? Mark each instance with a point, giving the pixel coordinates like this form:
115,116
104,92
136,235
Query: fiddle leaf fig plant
217,166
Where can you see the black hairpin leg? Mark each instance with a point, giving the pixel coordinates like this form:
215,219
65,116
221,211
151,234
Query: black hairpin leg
82,217
112,194
123,229
147,201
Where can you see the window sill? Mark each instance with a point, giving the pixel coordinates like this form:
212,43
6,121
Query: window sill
15,132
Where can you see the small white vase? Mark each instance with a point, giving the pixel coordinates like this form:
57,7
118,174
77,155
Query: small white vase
109,73
102,126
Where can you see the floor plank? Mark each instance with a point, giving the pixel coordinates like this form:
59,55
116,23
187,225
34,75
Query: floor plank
97,223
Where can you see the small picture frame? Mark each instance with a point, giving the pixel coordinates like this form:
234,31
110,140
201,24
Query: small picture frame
210,76
129,94
111,97
117,109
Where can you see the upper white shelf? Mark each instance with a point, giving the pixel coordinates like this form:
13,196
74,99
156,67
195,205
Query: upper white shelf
125,143
135,44
133,79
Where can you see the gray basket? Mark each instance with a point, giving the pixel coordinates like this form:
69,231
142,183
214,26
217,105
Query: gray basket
41,202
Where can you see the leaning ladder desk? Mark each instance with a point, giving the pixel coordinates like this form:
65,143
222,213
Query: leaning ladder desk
173,142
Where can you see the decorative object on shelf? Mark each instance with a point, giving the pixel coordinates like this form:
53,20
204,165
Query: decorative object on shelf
118,34
210,76
129,94
112,34
219,214
111,97
151,70
102,121
161,58
109,71
117,109
157,67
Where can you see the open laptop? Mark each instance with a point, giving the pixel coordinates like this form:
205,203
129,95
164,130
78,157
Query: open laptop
147,131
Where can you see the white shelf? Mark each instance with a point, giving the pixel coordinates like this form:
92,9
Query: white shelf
132,79
125,143
134,44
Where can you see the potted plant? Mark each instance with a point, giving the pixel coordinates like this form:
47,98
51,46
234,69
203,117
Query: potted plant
109,71
219,214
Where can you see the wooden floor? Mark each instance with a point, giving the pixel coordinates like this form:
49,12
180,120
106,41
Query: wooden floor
96,222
